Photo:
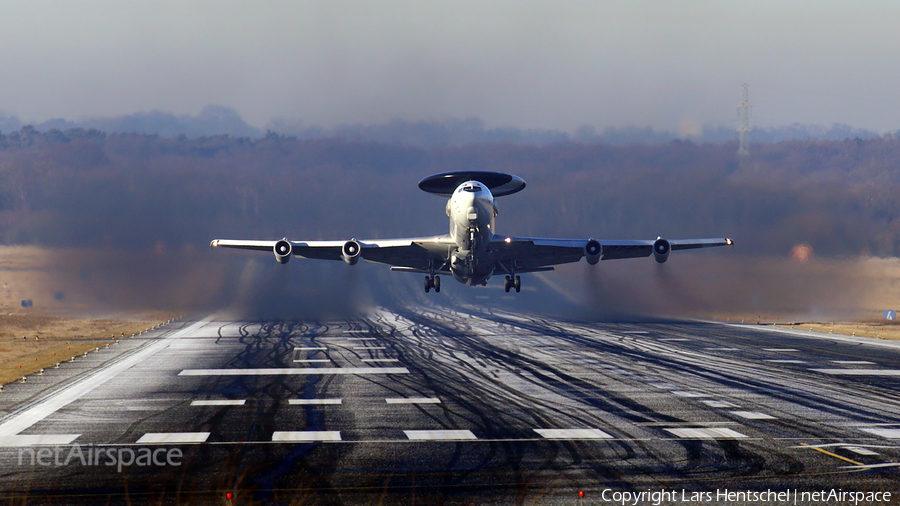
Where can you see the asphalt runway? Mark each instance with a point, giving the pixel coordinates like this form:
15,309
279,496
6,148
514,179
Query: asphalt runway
437,406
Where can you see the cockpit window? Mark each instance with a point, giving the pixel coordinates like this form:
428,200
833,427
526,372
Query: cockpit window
474,188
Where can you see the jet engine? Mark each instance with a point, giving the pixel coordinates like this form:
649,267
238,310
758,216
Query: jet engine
661,249
592,251
350,252
283,251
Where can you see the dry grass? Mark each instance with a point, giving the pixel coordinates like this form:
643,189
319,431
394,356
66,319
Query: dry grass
52,339
873,329
65,319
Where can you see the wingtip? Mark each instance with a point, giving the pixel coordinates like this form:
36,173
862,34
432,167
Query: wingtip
213,244
729,242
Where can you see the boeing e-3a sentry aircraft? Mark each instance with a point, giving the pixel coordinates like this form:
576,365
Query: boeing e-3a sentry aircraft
471,252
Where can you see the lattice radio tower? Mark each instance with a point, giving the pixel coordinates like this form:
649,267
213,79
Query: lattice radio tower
743,130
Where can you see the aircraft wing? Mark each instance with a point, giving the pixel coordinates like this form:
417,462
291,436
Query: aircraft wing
414,253
532,252
522,254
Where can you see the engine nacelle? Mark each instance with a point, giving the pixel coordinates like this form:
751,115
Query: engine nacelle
661,249
592,251
283,251
350,252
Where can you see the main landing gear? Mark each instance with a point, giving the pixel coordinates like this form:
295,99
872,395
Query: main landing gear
512,282
433,282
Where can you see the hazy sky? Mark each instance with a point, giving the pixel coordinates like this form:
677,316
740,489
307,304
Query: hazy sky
551,64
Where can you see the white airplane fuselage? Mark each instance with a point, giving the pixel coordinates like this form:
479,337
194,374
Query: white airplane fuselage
472,210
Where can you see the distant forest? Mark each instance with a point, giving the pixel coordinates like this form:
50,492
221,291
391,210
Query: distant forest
219,120
82,187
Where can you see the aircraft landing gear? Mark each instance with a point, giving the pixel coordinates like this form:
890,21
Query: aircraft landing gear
518,284
512,282
432,282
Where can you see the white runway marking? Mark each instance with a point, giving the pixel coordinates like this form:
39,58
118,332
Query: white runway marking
674,339
705,433
872,466
41,410
786,350
722,349
860,451
304,402
307,435
38,439
885,433
852,362
413,400
174,437
752,415
362,338
572,434
312,360
298,371
439,435
220,402
860,372
688,393
380,360
719,404
368,347
314,348
785,361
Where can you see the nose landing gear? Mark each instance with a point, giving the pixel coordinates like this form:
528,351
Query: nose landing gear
432,282
512,282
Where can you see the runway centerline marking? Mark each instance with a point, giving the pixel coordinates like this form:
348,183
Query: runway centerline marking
688,393
380,360
785,350
860,450
219,402
275,371
38,440
885,433
785,361
304,402
173,437
852,362
705,433
307,435
413,400
719,404
34,414
752,415
439,435
860,372
573,434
